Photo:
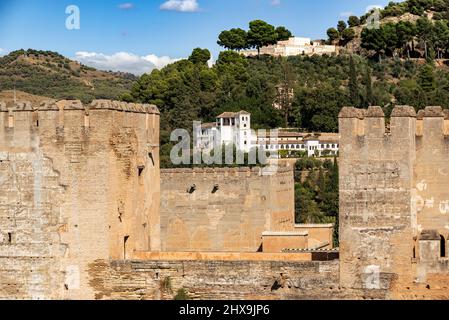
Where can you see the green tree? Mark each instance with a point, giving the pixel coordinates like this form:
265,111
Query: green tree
374,39
261,34
353,21
368,88
200,56
440,37
415,7
390,38
405,31
424,28
353,83
333,34
283,33
348,35
234,39
427,78
341,26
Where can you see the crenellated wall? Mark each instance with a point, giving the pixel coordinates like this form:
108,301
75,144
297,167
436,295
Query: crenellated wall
393,187
77,183
224,209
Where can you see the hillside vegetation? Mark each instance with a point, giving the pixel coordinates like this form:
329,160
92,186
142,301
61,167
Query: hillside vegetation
409,29
47,73
8,96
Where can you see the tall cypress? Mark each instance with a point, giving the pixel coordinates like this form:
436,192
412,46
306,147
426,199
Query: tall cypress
353,86
368,87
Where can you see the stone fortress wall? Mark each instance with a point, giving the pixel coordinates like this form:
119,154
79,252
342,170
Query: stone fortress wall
80,196
224,209
77,183
394,200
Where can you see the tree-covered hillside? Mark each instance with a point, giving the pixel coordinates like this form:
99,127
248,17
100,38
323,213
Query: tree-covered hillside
187,91
47,73
413,28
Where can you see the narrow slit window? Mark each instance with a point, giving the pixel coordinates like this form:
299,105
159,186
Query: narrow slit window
150,155
125,240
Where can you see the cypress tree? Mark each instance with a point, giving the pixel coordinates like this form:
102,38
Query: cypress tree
353,86
368,87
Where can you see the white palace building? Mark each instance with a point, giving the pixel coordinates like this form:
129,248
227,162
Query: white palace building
235,127
293,47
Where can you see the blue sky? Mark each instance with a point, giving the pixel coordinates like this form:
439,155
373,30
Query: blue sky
155,31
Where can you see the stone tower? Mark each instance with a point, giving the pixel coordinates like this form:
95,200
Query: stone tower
78,183
394,201
376,182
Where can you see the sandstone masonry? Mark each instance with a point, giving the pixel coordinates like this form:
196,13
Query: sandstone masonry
224,209
77,183
394,196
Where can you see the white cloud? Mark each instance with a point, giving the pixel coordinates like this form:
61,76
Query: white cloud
159,62
275,2
126,6
181,5
211,62
123,61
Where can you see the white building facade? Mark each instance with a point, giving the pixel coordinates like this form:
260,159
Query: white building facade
313,145
235,128
293,47
229,128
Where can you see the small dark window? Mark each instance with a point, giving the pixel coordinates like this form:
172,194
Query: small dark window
443,247
125,240
9,237
150,155
192,189
140,170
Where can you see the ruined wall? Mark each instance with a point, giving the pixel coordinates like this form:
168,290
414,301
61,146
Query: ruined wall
75,183
393,187
223,209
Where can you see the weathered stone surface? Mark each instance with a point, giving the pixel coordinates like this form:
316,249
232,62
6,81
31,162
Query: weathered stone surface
351,112
71,192
392,187
204,280
227,210
403,111
80,196
374,112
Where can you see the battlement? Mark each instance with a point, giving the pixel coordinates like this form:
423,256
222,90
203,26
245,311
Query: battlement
62,105
432,121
